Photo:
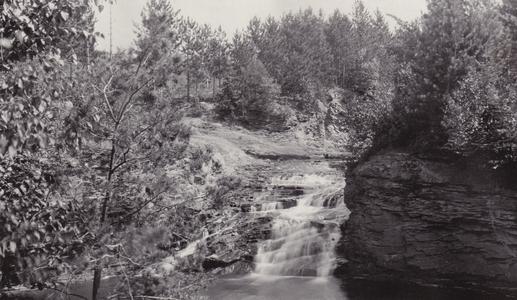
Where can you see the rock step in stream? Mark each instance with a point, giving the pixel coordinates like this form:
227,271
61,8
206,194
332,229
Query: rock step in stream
304,201
304,234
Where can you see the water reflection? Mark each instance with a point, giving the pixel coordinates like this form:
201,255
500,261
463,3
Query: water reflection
260,287
365,290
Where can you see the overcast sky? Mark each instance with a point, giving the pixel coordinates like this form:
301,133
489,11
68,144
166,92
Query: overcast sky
233,15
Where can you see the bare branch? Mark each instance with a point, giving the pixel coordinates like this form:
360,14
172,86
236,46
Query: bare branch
105,96
143,62
128,285
141,207
130,98
124,160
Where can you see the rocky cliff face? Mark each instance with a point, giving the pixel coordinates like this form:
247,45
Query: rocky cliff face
429,222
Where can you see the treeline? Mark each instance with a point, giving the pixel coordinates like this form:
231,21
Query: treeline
445,82
294,59
303,55
197,52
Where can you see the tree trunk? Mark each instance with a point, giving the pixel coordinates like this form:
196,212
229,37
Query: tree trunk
108,192
188,85
188,78
8,269
213,88
97,273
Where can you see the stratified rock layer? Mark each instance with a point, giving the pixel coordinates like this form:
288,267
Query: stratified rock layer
429,222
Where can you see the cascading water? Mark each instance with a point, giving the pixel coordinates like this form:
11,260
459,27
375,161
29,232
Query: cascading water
305,201
306,230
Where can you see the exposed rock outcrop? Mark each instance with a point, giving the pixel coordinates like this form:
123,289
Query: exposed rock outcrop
429,222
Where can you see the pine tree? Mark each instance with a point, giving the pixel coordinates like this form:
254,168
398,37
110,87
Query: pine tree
192,48
448,41
216,57
339,31
158,35
158,39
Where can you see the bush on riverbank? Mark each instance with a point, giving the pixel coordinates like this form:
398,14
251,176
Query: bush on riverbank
455,84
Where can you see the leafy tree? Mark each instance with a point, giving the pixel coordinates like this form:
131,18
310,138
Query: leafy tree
124,140
43,32
38,236
480,113
39,229
448,41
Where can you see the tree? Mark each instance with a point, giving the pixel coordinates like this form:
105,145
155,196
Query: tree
248,90
124,139
35,31
192,48
448,41
158,36
158,40
338,32
305,49
480,114
37,39
271,46
216,57
366,67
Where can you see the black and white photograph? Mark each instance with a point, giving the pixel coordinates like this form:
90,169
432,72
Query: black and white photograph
258,149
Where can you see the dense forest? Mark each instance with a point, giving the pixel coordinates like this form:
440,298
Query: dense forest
96,169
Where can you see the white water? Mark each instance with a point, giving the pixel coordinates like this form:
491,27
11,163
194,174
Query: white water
304,236
297,261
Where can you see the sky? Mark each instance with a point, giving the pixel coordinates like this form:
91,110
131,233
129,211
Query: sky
233,15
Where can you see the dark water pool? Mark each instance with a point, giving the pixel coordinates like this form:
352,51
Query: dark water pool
258,287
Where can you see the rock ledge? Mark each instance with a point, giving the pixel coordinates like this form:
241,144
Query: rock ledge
427,222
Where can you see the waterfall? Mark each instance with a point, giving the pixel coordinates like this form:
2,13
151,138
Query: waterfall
303,235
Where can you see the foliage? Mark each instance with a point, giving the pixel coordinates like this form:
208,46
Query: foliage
223,187
41,231
481,119
451,38
453,84
158,36
248,90
41,33
39,237
302,56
